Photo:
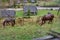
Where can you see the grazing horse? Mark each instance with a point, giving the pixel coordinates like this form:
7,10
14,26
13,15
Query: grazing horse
49,17
8,21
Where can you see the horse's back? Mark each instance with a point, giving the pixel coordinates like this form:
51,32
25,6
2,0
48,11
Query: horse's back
48,17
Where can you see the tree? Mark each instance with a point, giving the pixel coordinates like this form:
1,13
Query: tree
57,1
14,5
5,0
28,14
58,11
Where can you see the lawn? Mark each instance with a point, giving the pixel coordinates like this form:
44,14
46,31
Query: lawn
29,31
39,12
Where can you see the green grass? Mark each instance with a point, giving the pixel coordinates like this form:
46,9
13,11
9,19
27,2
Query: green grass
43,12
29,31
39,12
19,13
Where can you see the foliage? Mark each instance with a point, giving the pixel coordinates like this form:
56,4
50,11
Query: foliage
28,14
5,0
59,1
14,5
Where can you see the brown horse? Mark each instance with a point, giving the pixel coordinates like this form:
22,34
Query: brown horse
49,17
8,21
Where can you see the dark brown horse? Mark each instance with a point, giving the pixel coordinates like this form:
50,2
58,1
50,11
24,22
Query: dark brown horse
49,17
8,21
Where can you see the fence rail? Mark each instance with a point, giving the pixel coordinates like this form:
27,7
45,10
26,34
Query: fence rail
18,9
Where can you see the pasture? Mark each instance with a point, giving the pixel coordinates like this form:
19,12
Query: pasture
29,31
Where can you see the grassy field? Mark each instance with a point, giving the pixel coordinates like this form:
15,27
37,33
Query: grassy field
39,12
41,3
29,31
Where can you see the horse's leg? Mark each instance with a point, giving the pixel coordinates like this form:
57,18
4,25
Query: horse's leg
4,23
13,23
43,22
50,21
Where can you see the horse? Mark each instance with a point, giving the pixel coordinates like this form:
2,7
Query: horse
49,17
8,21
